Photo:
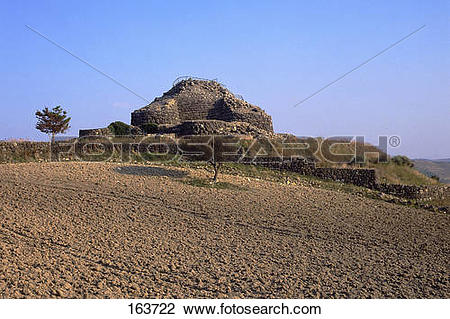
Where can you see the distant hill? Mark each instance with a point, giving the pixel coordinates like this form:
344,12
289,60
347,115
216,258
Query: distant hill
440,168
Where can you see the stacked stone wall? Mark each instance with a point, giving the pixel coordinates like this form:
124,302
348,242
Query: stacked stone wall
195,100
359,177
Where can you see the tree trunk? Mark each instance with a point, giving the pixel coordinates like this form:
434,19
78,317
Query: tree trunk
216,171
52,145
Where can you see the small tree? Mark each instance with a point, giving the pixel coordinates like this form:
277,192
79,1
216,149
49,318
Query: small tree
213,149
53,121
150,128
119,128
226,149
435,177
402,160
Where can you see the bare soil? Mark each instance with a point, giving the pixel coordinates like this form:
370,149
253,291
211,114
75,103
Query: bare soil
98,230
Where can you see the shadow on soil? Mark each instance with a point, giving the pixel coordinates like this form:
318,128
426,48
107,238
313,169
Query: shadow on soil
201,182
150,171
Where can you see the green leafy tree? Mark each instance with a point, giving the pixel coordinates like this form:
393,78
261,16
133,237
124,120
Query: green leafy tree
402,160
150,128
53,121
119,128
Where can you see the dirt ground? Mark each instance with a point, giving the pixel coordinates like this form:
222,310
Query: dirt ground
98,230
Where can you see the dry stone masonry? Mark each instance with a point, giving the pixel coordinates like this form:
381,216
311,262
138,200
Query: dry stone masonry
204,106
359,177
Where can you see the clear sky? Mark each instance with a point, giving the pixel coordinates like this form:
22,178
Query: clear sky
273,53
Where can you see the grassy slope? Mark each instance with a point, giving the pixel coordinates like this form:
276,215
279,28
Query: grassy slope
395,174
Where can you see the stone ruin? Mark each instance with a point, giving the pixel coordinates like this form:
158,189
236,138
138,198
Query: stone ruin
194,106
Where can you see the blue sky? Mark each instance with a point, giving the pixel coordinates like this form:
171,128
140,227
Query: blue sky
273,53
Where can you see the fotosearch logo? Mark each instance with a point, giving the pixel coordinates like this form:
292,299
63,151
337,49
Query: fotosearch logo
226,148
